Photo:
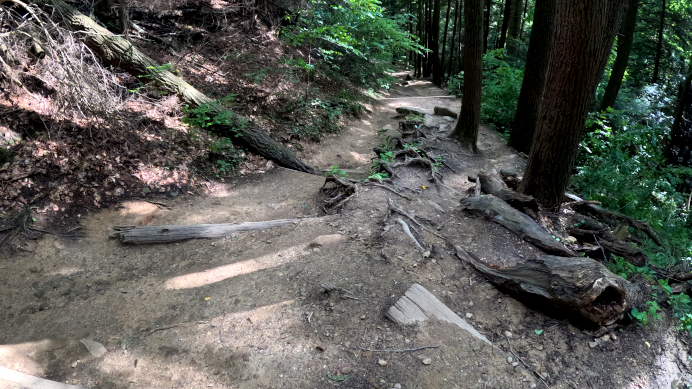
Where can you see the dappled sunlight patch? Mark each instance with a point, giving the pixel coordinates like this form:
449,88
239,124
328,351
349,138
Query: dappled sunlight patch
23,357
217,274
64,271
365,158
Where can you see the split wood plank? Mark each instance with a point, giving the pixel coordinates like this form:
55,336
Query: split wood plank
174,233
418,305
28,381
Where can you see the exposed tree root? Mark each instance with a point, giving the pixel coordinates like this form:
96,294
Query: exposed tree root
344,189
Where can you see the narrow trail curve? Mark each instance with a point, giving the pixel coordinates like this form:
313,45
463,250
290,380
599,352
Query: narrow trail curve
249,311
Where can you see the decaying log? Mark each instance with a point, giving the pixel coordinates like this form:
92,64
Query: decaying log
609,243
510,178
491,183
119,52
495,209
608,214
581,286
173,233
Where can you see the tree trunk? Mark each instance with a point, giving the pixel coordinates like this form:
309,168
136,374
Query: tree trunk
507,14
582,287
452,48
427,68
679,147
523,19
116,51
623,56
584,35
514,27
659,44
469,119
122,17
486,24
460,59
444,38
535,75
421,36
435,44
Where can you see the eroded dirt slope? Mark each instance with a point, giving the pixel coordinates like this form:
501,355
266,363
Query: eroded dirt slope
249,311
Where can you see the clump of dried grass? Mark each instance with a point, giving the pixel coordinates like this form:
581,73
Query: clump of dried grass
73,76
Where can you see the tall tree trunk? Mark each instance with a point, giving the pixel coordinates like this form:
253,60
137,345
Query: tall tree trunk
506,15
435,46
659,44
123,19
450,68
535,75
623,56
486,24
460,49
679,147
584,35
116,51
427,69
514,27
466,129
421,36
523,19
444,39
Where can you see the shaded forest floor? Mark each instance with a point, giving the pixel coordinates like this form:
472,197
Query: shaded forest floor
249,311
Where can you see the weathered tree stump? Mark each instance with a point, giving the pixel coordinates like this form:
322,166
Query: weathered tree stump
495,209
580,287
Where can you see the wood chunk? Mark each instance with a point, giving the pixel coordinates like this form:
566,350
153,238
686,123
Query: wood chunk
581,287
610,244
408,110
495,209
418,305
492,183
27,381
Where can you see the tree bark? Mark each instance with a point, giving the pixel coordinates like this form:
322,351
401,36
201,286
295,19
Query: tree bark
466,129
535,76
421,36
679,147
514,27
486,24
659,44
116,51
452,47
523,19
444,38
584,35
435,47
427,67
507,14
492,183
580,286
623,56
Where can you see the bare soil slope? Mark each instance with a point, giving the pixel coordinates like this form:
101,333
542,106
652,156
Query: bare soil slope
249,311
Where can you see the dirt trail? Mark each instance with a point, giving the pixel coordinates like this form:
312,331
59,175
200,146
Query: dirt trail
249,311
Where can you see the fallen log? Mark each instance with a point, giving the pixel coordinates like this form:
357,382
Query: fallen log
492,184
617,216
119,52
175,233
609,243
495,209
581,287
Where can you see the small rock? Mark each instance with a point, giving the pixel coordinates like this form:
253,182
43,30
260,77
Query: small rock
593,344
570,240
509,360
347,344
441,111
470,303
397,386
426,254
427,361
540,347
382,362
362,317
447,118
532,386
508,334
75,363
515,364
346,370
367,353
612,336
469,315
325,240
604,338
36,269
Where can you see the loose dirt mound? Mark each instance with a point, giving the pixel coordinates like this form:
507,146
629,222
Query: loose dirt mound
249,311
